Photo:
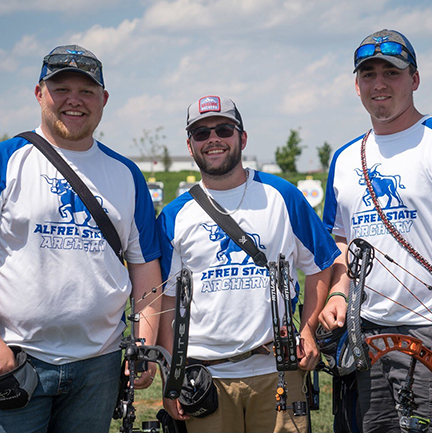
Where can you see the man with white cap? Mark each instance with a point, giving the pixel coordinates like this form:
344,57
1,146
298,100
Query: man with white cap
231,322
379,191
63,288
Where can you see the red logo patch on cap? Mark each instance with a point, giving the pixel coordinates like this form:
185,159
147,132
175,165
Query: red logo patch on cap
209,103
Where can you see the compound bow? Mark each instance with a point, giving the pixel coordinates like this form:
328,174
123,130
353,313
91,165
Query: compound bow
367,351
285,338
138,355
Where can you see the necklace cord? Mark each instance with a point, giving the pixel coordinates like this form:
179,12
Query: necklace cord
218,207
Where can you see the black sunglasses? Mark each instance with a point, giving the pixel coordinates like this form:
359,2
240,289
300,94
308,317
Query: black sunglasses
224,130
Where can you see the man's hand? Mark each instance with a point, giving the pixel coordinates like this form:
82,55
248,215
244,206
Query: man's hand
145,379
307,351
173,407
7,358
334,313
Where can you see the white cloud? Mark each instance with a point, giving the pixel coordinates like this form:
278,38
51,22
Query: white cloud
27,47
286,63
110,43
12,6
19,110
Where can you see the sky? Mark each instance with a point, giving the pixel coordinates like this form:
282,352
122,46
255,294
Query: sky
287,64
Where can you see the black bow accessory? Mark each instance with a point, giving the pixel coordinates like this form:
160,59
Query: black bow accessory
17,385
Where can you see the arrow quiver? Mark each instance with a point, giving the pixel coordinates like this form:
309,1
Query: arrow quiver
137,355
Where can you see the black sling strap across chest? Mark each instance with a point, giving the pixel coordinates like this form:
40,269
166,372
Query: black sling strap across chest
98,213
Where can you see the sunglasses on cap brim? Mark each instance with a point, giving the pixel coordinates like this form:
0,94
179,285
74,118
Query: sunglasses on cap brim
85,63
56,62
385,48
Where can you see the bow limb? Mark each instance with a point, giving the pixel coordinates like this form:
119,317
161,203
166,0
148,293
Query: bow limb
358,269
384,343
183,298
284,337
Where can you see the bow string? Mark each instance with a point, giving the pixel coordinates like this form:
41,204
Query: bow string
137,354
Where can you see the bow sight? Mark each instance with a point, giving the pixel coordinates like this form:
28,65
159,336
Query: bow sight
137,355
407,405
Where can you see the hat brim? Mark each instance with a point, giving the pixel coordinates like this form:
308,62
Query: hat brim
395,61
71,69
212,114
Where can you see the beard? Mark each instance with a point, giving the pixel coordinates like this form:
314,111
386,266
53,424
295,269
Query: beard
60,129
231,161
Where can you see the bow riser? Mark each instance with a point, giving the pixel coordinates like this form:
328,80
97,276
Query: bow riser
385,343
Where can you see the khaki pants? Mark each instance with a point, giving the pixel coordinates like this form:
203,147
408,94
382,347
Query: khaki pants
247,405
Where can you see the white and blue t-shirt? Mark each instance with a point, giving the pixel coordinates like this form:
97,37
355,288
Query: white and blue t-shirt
400,168
231,312
63,289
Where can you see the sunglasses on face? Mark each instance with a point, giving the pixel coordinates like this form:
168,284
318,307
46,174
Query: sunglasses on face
386,48
59,61
202,133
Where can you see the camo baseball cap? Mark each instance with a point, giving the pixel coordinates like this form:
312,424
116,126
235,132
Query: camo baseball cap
388,45
72,58
208,106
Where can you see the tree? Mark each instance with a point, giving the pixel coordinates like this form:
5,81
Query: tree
324,153
4,137
166,159
98,135
150,146
287,156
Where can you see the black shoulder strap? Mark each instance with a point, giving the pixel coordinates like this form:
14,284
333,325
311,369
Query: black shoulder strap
229,226
102,220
